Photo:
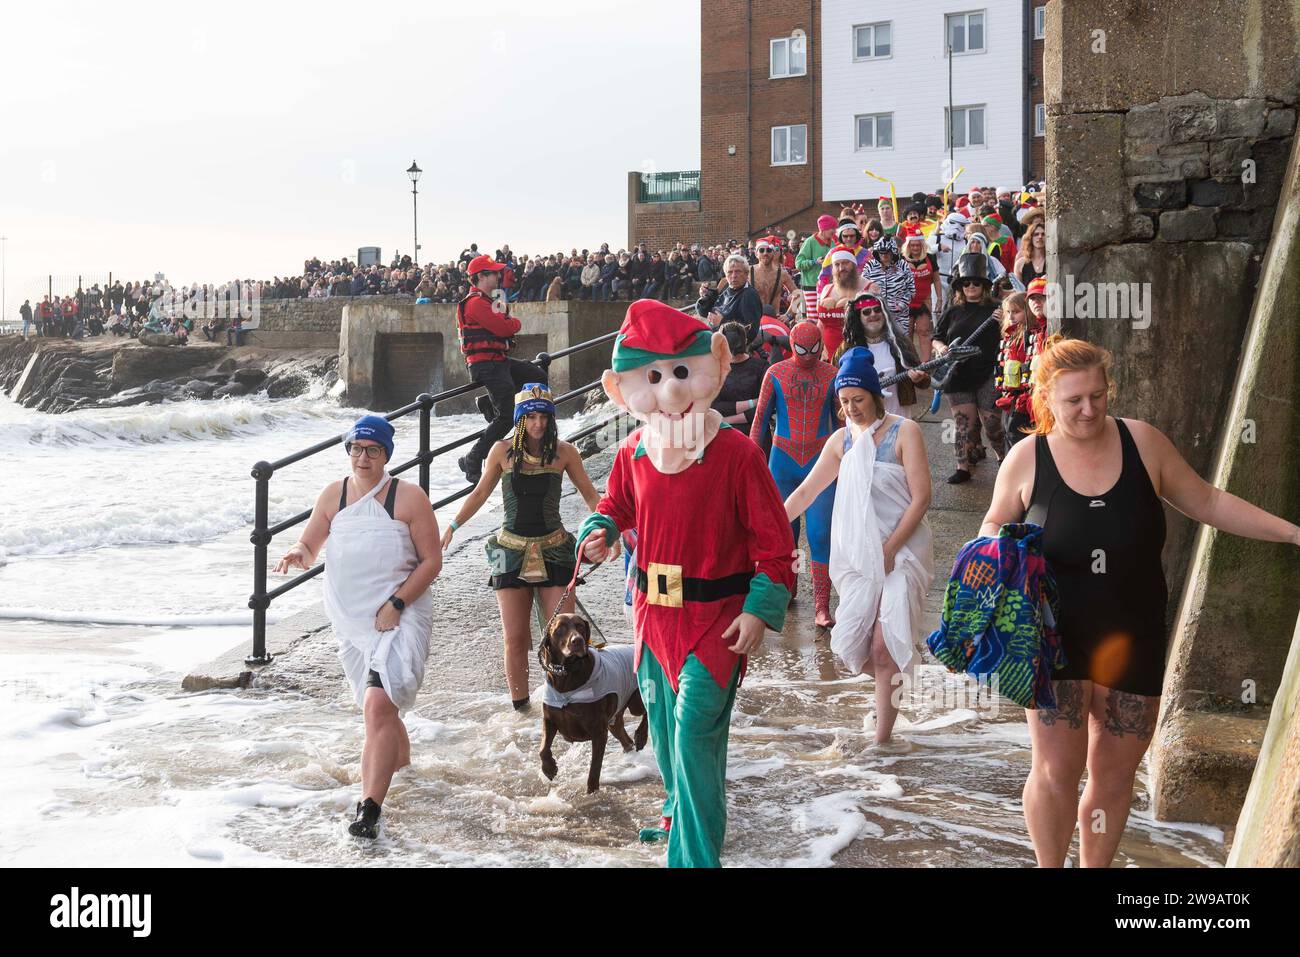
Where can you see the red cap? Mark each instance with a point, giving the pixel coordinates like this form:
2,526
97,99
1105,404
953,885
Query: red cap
1037,287
484,264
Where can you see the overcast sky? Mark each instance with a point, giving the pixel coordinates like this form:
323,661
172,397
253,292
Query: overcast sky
236,139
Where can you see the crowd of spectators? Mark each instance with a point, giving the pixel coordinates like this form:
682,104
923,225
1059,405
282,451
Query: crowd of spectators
673,274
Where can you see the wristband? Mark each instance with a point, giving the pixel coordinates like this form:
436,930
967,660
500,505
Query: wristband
453,526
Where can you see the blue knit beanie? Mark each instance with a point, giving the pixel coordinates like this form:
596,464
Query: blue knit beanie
373,428
858,369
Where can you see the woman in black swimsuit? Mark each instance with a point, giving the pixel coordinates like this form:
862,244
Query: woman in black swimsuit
1095,483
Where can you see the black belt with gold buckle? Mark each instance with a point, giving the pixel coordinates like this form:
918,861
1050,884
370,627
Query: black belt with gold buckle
665,585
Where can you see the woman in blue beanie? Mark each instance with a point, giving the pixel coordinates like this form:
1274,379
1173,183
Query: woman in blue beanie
882,557
532,549
382,559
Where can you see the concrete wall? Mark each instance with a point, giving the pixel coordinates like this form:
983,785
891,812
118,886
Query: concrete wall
1167,150
1268,831
298,323
306,323
372,325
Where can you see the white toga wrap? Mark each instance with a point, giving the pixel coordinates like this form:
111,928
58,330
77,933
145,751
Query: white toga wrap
369,557
870,499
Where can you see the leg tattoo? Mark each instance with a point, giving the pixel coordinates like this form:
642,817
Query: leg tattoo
962,439
1131,714
1069,705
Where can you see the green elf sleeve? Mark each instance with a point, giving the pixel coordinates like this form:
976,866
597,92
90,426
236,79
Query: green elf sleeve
767,600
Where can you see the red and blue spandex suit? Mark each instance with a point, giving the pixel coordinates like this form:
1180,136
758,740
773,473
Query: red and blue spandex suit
798,392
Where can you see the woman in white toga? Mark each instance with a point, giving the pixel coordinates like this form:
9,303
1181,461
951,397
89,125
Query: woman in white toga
383,555
882,557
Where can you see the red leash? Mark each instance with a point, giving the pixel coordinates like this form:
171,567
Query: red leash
568,590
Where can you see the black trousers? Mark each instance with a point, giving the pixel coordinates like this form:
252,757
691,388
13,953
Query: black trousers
503,381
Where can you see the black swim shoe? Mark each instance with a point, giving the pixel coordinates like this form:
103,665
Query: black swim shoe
959,476
367,822
521,704
470,476
484,403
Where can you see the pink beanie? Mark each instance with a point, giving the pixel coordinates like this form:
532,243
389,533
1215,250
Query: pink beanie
825,222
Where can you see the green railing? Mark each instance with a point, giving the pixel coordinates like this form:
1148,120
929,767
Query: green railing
682,186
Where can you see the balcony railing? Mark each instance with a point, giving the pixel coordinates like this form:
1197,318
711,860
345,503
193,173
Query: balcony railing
682,186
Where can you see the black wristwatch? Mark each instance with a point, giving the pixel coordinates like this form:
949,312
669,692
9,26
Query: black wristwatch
397,603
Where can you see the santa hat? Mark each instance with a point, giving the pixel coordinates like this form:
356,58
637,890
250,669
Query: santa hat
843,253
825,222
652,330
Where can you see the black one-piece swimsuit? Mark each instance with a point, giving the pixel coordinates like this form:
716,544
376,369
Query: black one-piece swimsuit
1105,553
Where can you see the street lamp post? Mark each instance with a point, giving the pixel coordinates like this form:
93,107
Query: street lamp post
414,172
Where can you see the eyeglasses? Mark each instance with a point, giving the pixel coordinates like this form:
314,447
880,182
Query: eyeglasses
972,282
873,311
369,451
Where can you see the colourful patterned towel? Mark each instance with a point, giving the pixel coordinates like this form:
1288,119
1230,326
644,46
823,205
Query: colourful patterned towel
999,616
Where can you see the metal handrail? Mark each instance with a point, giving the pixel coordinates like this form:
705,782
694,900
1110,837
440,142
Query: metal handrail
262,472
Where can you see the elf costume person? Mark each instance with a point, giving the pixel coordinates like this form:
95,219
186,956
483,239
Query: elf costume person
714,559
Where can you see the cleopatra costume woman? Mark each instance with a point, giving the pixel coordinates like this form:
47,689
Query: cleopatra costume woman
532,548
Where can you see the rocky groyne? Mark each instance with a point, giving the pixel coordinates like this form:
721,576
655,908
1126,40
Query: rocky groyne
59,375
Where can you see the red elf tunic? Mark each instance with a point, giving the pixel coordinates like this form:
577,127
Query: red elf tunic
713,541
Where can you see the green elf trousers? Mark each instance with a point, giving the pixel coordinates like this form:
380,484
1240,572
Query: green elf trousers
689,730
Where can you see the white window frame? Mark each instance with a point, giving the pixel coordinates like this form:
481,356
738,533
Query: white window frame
966,15
875,138
789,44
872,27
1040,119
788,128
1040,23
947,127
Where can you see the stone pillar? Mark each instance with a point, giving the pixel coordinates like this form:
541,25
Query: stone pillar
1167,150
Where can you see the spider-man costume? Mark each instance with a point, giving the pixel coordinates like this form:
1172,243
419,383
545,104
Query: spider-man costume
798,390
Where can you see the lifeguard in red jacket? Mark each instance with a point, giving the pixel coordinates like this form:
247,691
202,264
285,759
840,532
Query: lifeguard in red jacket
485,328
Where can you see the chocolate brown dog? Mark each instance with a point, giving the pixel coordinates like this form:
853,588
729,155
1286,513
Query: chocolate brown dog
587,691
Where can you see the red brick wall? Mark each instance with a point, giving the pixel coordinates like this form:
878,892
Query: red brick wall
1037,144
724,178
663,225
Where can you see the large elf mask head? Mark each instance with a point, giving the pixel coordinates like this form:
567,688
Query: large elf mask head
668,367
